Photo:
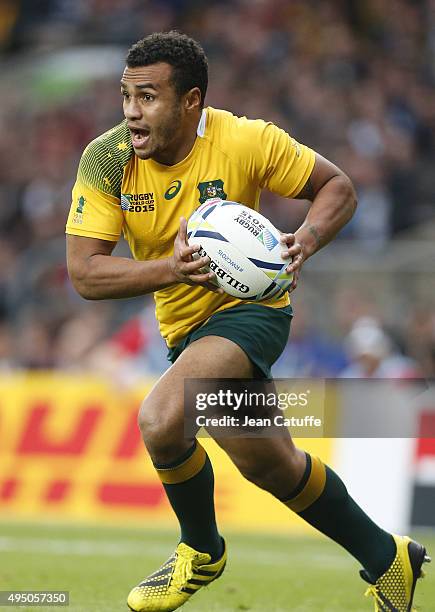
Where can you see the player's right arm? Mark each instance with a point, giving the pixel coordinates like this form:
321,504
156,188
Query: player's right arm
97,275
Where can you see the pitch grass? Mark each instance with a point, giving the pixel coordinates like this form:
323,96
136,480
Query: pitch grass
99,565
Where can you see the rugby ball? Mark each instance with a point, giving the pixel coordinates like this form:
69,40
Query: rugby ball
244,249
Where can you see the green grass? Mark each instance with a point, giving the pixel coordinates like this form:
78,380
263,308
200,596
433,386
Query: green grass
99,565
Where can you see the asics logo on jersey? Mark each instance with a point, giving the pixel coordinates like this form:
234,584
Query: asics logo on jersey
172,190
138,202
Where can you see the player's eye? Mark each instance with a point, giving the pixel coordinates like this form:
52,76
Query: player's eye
124,94
147,97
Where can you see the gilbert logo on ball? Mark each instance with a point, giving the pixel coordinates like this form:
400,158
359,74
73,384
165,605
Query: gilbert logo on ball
244,249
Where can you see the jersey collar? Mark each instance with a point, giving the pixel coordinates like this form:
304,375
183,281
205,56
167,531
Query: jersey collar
202,124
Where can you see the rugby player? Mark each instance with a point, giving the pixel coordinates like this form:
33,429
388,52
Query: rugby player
144,177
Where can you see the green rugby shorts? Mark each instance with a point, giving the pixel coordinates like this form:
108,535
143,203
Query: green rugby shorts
261,331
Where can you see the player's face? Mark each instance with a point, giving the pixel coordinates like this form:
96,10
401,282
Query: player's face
153,110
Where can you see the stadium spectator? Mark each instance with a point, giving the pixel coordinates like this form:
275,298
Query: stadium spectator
373,355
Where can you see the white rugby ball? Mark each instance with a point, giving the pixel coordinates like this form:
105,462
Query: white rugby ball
244,249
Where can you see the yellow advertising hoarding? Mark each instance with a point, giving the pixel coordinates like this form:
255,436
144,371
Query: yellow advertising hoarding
70,449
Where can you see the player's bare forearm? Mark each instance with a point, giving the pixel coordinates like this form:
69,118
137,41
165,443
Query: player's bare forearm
97,275
333,206
118,277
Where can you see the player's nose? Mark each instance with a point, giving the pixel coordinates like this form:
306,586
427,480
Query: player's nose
132,109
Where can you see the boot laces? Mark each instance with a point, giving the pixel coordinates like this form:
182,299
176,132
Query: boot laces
372,590
183,572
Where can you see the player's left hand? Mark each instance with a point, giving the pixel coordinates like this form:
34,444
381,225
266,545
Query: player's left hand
294,250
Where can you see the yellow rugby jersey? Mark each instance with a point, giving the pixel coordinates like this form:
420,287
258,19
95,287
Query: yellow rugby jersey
233,158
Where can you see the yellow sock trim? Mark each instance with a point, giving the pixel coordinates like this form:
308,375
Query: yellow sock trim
186,470
312,490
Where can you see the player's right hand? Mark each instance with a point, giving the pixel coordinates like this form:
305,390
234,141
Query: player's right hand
185,268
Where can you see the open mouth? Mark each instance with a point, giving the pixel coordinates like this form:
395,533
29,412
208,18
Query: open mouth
139,137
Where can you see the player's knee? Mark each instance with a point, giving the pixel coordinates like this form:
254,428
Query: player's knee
160,426
153,423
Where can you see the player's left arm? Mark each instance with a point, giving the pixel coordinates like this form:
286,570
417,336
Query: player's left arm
334,202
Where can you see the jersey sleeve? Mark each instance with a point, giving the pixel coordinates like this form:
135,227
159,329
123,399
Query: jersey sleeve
281,164
95,209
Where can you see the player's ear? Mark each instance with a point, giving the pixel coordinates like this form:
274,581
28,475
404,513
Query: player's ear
192,99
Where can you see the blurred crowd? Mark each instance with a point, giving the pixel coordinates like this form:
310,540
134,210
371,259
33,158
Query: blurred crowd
353,80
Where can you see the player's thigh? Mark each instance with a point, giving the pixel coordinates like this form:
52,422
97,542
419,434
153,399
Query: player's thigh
162,412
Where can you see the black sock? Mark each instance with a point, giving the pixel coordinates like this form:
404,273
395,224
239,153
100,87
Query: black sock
322,500
189,485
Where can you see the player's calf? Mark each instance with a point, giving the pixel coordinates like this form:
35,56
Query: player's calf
273,464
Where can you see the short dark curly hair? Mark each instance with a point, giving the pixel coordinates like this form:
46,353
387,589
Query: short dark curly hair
184,54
